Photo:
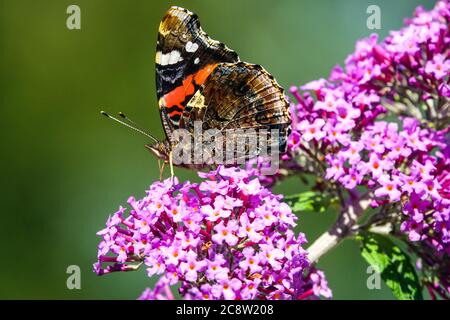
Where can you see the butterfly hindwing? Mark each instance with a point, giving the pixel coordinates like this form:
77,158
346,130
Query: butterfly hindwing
239,96
185,57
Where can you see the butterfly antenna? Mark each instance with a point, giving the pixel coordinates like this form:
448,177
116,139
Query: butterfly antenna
132,126
122,115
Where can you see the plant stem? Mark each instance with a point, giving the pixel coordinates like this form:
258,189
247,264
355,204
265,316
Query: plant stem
342,228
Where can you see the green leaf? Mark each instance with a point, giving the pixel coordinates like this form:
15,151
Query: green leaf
308,201
394,265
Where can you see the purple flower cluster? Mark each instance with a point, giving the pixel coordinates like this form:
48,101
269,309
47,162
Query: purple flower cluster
224,238
399,167
338,129
410,70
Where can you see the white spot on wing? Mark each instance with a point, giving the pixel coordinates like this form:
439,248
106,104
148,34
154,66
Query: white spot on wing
172,57
191,46
197,60
164,59
175,57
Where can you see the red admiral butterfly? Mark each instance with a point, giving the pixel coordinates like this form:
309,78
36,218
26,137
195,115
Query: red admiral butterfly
201,79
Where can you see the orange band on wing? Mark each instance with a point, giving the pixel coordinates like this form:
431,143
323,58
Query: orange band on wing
201,75
177,96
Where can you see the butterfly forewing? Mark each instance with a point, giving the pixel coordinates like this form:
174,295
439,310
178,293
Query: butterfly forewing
185,56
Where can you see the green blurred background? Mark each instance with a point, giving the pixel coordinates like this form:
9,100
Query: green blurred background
64,168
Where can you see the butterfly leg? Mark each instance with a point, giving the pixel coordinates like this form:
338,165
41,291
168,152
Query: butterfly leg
161,169
171,166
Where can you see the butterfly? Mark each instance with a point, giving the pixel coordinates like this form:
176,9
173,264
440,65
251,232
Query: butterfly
201,80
